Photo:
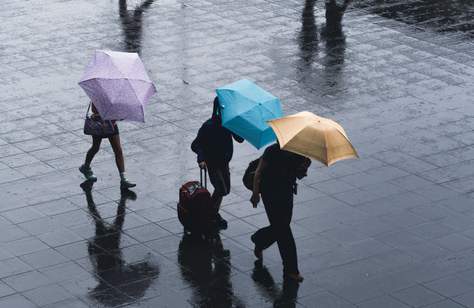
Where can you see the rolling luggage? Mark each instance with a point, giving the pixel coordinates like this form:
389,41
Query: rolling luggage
196,211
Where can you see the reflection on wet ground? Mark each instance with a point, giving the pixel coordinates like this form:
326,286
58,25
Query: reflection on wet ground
132,24
119,282
206,268
439,15
286,297
325,47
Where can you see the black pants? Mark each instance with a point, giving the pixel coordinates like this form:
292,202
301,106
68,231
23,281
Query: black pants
279,209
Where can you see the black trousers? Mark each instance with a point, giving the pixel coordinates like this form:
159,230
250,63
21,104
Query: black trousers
279,209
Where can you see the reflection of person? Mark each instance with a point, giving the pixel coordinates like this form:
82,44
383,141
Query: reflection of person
205,265
308,38
214,148
114,274
275,179
114,140
132,24
281,298
334,15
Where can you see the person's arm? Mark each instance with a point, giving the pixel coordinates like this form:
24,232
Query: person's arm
197,146
255,199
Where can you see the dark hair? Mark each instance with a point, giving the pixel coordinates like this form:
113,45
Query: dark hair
216,112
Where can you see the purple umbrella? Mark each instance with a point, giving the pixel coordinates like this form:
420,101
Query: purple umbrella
118,85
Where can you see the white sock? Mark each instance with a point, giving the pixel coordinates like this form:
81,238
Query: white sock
123,176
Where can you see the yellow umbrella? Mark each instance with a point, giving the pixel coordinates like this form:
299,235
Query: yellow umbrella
312,136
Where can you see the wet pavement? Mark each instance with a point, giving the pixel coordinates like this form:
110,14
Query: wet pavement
392,229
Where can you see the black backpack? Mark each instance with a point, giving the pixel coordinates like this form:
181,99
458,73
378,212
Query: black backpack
249,174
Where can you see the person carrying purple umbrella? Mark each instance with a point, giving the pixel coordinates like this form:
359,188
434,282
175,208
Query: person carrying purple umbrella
114,139
119,88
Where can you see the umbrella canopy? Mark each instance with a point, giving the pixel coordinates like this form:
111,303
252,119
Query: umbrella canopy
118,85
245,108
315,137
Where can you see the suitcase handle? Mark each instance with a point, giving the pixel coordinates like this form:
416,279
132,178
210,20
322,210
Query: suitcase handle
205,177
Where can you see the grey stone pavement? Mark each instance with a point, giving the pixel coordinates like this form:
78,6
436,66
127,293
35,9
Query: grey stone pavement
394,228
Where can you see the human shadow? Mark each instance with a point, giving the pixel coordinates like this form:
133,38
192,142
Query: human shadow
132,24
118,281
205,266
284,297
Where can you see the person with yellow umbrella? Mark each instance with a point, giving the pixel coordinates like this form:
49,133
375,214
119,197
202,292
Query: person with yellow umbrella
300,136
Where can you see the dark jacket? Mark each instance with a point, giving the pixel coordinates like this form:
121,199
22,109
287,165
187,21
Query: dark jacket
213,143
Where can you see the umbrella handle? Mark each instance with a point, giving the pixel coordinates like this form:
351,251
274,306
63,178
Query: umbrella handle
87,112
205,177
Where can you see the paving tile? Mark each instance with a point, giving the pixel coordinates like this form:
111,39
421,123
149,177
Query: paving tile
27,281
17,301
455,242
450,286
417,296
383,301
445,304
325,300
44,258
466,299
5,290
47,295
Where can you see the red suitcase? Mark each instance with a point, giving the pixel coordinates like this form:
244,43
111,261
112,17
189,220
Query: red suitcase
196,211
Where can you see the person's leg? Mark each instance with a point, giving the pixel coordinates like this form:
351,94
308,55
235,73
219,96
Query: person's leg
119,160
264,237
86,167
117,148
280,214
217,176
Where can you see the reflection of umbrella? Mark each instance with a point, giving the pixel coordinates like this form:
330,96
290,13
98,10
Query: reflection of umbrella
119,281
245,108
316,137
118,85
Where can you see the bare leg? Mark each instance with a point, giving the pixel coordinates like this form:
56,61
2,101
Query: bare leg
93,150
117,148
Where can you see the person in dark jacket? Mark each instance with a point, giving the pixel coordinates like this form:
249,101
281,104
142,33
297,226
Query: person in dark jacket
214,148
275,180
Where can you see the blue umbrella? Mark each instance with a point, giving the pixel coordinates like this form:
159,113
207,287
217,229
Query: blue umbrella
245,108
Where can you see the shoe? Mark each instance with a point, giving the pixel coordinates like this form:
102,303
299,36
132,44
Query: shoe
88,174
258,252
125,184
296,277
221,222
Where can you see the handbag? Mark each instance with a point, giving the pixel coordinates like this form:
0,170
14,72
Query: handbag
97,126
249,174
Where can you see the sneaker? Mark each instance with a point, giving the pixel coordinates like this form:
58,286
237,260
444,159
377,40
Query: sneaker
221,222
125,184
88,174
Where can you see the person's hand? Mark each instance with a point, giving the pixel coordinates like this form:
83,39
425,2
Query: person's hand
255,199
203,165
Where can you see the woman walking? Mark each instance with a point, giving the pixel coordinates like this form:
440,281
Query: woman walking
275,180
114,139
